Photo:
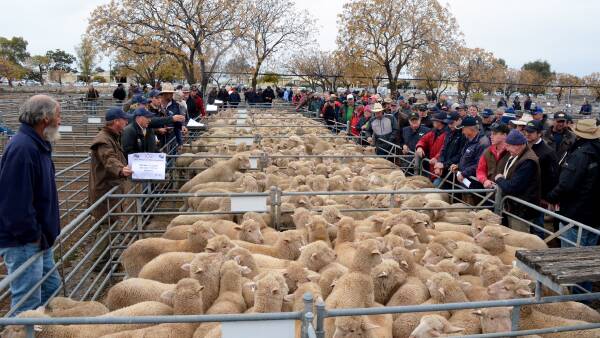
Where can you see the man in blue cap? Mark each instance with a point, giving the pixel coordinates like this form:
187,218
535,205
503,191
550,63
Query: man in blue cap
139,137
453,145
487,119
108,166
520,178
476,143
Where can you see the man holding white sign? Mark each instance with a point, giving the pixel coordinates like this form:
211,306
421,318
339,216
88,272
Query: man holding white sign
108,167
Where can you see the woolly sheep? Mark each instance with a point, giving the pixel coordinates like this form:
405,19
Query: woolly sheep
287,246
66,307
144,250
432,326
219,172
135,290
387,278
205,268
166,268
485,218
493,241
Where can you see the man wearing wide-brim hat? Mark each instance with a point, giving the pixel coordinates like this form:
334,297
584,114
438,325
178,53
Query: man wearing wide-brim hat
382,128
577,192
172,108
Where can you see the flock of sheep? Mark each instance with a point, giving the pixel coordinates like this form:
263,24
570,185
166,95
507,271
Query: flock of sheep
229,264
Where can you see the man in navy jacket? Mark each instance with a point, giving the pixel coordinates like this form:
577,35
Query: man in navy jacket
29,214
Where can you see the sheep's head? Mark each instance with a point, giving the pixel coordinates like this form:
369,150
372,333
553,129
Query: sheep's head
352,327
337,183
367,254
388,273
405,232
492,270
441,285
219,243
432,326
435,253
200,233
482,218
491,239
186,298
292,241
242,256
331,214
403,256
255,217
346,228
317,255
249,231
271,287
447,265
495,319
243,161
301,217
18,331
359,183
509,287
295,274
204,264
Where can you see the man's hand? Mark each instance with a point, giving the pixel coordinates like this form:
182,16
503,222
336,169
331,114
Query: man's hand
184,130
454,168
438,171
488,184
405,149
370,140
459,176
438,165
126,171
161,131
178,118
419,152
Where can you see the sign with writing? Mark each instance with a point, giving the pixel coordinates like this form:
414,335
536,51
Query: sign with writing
148,166
94,120
65,129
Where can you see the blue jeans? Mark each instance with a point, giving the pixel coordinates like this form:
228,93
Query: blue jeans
20,286
587,239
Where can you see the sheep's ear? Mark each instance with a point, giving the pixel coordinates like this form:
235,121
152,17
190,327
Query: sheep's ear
382,274
275,291
251,285
477,313
404,264
408,242
442,292
186,267
245,270
314,256
167,296
237,259
38,328
462,266
191,231
465,285
237,227
524,292
369,326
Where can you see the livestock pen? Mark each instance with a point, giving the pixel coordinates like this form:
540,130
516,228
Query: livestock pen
136,213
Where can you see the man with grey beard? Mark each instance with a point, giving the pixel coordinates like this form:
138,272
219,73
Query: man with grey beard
29,214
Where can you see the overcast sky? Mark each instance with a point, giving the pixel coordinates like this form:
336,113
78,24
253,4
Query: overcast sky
560,31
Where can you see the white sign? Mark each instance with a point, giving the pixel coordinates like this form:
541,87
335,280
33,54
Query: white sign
94,120
263,329
194,123
218,102
253,163
148,166
65,129
251,203
244,140
211,108
242,111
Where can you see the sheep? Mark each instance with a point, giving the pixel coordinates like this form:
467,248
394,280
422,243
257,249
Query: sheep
180,232
270,293
66,307
485,218
186,297
493,241
248,230
387,278
445,226
166,268
364,326
230,299
219,172
286,247
270,262
90,331
329,277
317,230
219,244
296,299
205,268
317,256
301,217
135,290
344,241
416,220
431,326
144,250
355,289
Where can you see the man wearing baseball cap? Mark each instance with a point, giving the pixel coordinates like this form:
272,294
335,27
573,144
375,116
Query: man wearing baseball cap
487,119
431,144
138,137
412,133
548,164
520,178
579,183
347,109
453,145
476,143
108,166
559,137
494,158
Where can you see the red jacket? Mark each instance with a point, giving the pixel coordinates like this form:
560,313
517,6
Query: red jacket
432,144
200,105
482,166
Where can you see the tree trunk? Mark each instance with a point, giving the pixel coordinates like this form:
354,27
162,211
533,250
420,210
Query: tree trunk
255,74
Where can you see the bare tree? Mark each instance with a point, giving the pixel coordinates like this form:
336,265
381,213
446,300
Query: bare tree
87,57
191,31
272,26
390,33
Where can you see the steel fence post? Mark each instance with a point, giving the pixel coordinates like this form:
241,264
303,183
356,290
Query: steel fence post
498,201
320,319
307,314
30,332
516,315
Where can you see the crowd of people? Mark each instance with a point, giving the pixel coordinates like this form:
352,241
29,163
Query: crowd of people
553,163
